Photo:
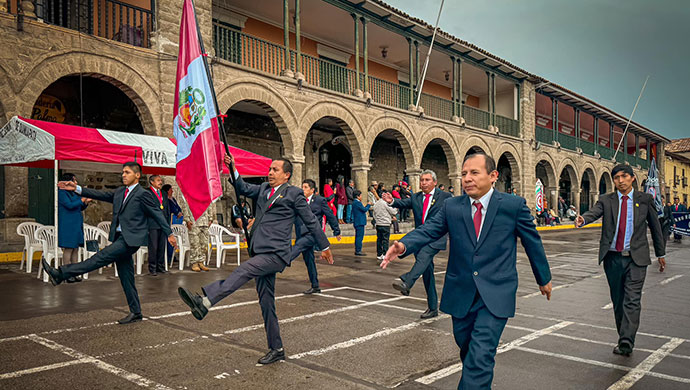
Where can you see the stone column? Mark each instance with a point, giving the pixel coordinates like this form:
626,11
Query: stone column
575,195
360,174
528,175
297,169
414,174
16,198
593,197
551,195
456,182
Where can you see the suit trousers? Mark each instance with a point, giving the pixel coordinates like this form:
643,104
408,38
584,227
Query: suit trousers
626,280
424,267
305,246
477,334
262,267
383,234
359,238
157,243
119,253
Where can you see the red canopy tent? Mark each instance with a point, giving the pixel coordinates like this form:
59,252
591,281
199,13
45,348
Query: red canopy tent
34,143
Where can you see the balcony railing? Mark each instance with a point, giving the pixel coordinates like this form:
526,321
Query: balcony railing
111,19
437,107
587,147
476,117
567,141
508,126
390,94
544,135
605,153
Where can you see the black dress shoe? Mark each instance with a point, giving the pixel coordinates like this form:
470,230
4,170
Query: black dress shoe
131,317
72,280
429,314
360,254
272,356
162,271
312,290
55,275
153,274
623,349
194,301
402,287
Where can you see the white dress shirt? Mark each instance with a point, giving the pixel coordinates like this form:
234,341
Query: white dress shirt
129,191
425,213
484,200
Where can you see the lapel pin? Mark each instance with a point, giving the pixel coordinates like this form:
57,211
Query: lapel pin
637,205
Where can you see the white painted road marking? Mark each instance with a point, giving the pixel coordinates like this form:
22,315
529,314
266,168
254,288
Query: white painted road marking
645,366
434,376
671,279
47,367
130,376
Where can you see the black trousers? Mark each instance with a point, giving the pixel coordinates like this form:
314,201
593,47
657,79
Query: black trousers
424,266
119,253
263,268
305,246
157,242
626,280
382,235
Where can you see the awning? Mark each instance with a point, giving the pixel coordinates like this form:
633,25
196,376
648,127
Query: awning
34,143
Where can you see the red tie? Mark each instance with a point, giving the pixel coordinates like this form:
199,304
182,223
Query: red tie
620,238
126,192
273,190
477,217
425,206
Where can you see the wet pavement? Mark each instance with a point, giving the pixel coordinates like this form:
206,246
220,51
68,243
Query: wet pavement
358,333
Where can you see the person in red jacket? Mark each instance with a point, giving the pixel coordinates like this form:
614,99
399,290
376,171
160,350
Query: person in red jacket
341,197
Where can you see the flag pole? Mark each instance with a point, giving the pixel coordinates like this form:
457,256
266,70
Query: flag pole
221,127
630,119
426,62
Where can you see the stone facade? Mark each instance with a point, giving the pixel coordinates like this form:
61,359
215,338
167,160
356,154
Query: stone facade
147,77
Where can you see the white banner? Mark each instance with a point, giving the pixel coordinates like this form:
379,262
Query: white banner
21,142
158,151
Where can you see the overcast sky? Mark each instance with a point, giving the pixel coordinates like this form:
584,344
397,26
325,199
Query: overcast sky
601,49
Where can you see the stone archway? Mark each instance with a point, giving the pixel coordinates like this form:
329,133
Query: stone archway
546,173
568,185
273,105
130,81
472,145
588,189
440,151
508,156
605,183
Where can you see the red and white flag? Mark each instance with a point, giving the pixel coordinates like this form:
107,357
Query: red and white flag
199,151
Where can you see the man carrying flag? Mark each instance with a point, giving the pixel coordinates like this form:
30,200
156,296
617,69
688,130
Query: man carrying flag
199,161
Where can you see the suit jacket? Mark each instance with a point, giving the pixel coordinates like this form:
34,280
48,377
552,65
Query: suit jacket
644,215
681,208
272,229
153,223
359,213
319,207
488,265
133,215
416,203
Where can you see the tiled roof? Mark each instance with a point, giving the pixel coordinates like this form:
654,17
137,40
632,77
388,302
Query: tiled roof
678,145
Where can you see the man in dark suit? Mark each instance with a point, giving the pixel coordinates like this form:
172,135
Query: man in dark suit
678,207
132,209
305,240
624,250
481,278
424,204
270,240
157,242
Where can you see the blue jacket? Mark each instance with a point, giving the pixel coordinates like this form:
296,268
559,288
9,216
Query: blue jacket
489,264
416,203
359,213
70,220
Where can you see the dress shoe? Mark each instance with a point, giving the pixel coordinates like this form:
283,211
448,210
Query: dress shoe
153,273
71,280
78,279
194,301
55,275
131,317
623,349
204,267
360,254
272,356
312,290
162,271
401,286
196,268
429,314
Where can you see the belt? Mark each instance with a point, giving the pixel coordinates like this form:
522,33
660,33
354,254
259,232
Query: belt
624,253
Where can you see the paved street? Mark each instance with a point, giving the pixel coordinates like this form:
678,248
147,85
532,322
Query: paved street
358,334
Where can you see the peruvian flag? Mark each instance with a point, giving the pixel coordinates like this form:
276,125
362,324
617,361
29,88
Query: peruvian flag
195,125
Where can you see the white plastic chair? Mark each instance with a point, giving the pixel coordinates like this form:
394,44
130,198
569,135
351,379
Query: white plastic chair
31,244
182,236
93,233
46,236
215,235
